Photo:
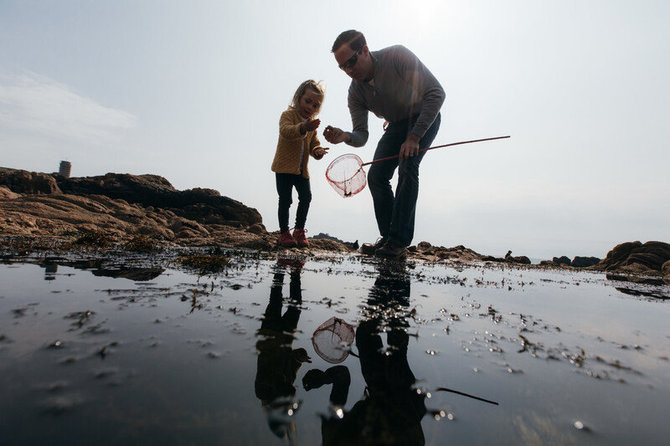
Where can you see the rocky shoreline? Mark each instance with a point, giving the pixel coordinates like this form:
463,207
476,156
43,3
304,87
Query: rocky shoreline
145,212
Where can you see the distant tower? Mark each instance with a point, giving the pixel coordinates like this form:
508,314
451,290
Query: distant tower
65,168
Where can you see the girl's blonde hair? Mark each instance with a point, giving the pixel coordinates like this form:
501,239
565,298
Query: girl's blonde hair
315,86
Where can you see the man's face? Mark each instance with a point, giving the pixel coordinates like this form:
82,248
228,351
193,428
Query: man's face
354,63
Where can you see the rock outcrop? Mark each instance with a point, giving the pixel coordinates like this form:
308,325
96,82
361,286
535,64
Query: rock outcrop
24,182
509,258
460,253
202,205
638,258
584,262
562,260
118,208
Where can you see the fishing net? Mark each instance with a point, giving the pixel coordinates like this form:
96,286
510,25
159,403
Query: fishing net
331,339
346,175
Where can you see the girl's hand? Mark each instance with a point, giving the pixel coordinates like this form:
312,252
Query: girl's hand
311,124
320,152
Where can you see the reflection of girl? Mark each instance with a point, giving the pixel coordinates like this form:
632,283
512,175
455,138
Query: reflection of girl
278,363
297,141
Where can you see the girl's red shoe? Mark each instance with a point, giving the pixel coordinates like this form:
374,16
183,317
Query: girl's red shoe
300,238
287,240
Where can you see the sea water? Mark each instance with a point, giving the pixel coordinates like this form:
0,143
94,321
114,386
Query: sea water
113,351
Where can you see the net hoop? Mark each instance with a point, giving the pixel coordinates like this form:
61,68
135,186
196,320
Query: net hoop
346,175
331,338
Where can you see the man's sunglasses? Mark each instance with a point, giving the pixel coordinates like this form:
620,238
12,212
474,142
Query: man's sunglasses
349,64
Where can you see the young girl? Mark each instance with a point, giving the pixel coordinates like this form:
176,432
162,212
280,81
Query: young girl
297,140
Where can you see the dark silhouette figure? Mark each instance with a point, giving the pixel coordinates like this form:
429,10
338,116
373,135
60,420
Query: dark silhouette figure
390,412
278,362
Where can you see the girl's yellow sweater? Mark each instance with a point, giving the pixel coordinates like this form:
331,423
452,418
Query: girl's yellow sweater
289,147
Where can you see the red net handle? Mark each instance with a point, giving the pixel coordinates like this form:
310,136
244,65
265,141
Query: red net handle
438,147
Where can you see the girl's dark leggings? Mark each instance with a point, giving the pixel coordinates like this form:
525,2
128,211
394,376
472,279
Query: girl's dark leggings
285,184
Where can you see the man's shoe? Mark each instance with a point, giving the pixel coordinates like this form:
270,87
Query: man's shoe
287,240
371,248
300,238
393,251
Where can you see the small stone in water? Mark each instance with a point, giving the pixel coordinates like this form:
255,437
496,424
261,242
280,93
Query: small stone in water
56,344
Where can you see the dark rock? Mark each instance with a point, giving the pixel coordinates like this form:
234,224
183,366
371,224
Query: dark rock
202,205
24,182
492,259
260,244
665,270
563,260
516,259
323,236
636,257
522,260
257,228
584,262
457,253
423,246
328,244
202,192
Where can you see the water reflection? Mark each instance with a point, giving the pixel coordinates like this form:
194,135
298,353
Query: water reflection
50,271
391,410
278,362
103,268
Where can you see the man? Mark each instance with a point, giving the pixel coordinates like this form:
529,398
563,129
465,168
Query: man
394,85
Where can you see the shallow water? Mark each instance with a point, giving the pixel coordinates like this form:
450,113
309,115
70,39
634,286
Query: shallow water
154,354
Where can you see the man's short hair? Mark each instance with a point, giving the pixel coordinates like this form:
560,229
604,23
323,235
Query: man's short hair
355,40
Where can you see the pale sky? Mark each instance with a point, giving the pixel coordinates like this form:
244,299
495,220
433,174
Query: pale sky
193,91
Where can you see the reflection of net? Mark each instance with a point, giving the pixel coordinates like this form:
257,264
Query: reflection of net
331,338
346,175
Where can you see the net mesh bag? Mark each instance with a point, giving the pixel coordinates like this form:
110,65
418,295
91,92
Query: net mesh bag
346,175
331,338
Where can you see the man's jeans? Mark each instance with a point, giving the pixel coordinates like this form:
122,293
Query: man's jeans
395,214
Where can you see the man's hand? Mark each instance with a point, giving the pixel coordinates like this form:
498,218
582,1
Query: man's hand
320,152
311,124
410,147
335,136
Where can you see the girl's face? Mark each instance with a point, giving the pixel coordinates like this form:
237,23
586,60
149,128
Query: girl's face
309,103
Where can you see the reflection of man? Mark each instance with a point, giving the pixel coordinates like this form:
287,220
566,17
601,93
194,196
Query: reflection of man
393,84
278,363
391,411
